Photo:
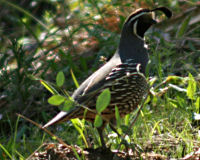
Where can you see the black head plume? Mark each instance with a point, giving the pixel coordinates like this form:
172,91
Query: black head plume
165,10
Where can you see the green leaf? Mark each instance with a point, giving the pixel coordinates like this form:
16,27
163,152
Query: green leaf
147,100
183,27
68,105
60,79
73,5
49,87
192,86
98,121
103,100
173,103
117,116
56,100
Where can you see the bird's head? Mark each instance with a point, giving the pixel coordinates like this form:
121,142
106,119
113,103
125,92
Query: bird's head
132,37
138,22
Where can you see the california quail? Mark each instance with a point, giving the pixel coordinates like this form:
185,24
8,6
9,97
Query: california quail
123,74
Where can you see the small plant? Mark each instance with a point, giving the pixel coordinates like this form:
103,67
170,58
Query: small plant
102,103
68,103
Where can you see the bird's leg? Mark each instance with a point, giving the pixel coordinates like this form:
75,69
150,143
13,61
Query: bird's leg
114,129
100,131
124,141
119,135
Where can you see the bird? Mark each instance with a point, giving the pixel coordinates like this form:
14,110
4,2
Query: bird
123,74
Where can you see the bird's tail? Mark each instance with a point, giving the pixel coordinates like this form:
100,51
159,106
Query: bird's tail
77,112
60,117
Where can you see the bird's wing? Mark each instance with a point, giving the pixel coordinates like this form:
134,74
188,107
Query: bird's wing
96,80
92,87
96,84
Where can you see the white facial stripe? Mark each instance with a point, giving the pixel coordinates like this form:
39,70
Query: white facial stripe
135,27
133,18
135,30
135,24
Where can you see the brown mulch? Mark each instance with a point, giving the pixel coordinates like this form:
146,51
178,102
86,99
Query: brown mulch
55,151
164,143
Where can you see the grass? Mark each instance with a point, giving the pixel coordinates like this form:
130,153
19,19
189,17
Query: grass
165,125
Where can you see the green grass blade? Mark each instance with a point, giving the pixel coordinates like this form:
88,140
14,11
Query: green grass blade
75,153
48,87
183,27
77,123
20,155
74,79
6,152
197,105
192,86
25,12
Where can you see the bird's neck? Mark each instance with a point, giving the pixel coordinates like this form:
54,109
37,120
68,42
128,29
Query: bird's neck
131,47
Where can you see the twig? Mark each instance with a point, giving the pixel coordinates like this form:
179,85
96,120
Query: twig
44,129
35,151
